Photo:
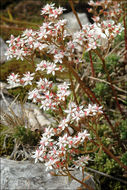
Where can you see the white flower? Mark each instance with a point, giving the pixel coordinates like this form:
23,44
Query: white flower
38,155
34,95
42,46
42,65
28,33
54,151
71,46
38,45
63,86
70,142
49,164
20,54
49,132
69,111
78,113
48,102
45,141
59,57
62,91
62,142
83,135
52,68
47,25
60,24
42,34
28,77
81,162
93,109
97,109
14,80
44,84
47,8
56,12
11,41
63,124
9,53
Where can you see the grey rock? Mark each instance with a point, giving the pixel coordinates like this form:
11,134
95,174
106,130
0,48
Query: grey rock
36,119
3,88
25,175
3,49
33,117
72,23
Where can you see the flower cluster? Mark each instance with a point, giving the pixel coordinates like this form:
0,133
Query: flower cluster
95,35
53,34
48,66
46,97
113,7
76,113
14,80
55,153
16,48
51,12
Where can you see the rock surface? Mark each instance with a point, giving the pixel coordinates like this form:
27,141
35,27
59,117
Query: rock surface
26,175
3,48
30,112
34,117
72,23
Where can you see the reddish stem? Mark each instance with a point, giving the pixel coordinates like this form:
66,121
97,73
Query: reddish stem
91,62
84,184
75,13
125,34
90,94
110,81
110,154
72,87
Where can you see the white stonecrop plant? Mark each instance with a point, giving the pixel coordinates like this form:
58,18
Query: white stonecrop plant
59,148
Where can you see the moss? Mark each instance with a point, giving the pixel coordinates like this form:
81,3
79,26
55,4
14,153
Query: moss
25,136
6,142
103,163
112,61
16,66
119,39
102,91
19,92
123,129
109,184
124,158
21,134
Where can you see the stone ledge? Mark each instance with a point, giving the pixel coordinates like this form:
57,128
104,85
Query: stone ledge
25,175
